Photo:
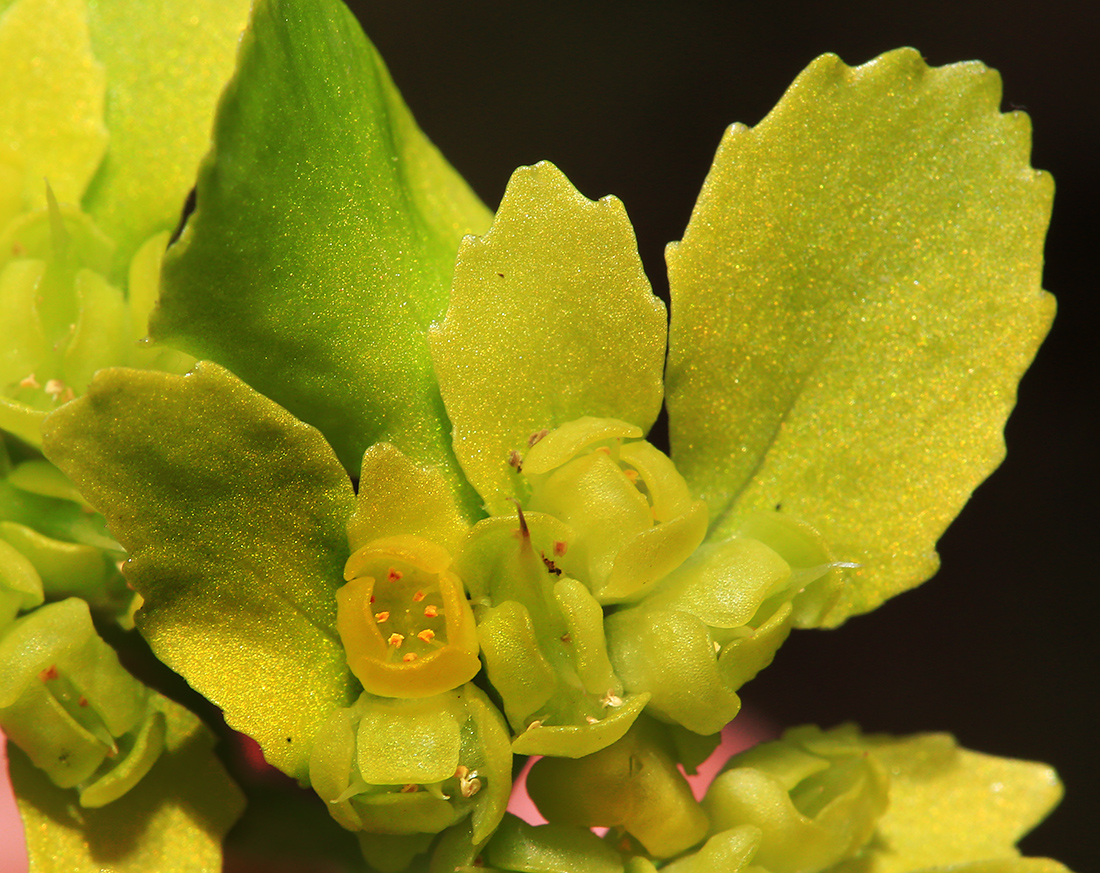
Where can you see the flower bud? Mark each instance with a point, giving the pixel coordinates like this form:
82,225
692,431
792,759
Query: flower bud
631,513
717,620
814,795
70,706
20,584
518,846
408,766
542,638
633,784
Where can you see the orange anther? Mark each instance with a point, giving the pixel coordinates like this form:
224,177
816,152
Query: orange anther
604,449
426,635
411,656
418,596
394,575
381,617
410,789
431,611
560,547
396,640
632,475
49,673
83,701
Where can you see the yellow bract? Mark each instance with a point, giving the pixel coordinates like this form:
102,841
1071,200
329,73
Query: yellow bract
551,318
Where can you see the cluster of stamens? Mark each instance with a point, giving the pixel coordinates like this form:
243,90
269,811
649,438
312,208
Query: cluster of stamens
407,617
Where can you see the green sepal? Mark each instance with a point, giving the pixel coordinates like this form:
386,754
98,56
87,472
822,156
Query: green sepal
20,584
145,748
455,849
67,569
854,300
551,319
549,848
43,478
52,517
407,766
580,740
817,581
633,784
392,853
180,810
811,814
730,851
325,233
671,656
514,663
723,584
631,512
220,496
542,639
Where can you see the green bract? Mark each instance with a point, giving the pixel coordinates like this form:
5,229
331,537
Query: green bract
416,447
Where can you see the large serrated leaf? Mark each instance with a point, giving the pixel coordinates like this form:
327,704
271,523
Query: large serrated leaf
323,241
551,319
172,821
854,300
234,515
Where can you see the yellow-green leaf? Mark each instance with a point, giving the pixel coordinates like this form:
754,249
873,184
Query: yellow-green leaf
935,785
51,99
853,303
166,66
172,821
234,515
323,239
551,319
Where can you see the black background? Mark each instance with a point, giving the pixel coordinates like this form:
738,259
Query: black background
630,98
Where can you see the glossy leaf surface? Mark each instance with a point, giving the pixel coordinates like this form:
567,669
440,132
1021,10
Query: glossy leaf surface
166,64
854,300
396,497
233,513
935,785
551,319
323,241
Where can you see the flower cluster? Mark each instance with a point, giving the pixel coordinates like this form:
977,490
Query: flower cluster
401,522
